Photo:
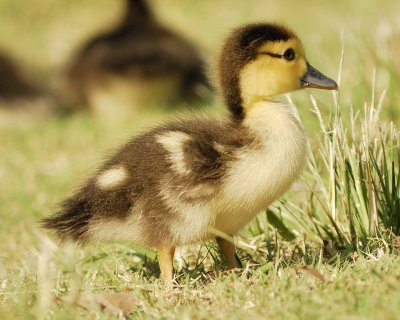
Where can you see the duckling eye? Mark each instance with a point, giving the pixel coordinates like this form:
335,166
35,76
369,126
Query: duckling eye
289,54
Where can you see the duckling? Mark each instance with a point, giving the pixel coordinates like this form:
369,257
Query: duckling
179,182
20,95
137,63
13,84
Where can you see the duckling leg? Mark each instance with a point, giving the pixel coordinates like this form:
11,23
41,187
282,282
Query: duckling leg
229,252
165,260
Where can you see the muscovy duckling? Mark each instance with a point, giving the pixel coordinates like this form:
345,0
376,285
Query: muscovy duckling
179,182
137,63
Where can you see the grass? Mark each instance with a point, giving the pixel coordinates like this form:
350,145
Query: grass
355,191
362,289
328,249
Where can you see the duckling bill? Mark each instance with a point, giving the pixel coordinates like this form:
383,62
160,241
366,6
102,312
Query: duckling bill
315,79
176,183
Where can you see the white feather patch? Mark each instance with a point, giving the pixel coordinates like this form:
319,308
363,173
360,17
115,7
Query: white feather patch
173,142
112,177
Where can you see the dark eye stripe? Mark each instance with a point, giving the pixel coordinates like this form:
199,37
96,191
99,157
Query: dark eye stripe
274,55
288,54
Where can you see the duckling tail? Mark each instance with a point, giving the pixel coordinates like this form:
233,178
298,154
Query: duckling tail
71,222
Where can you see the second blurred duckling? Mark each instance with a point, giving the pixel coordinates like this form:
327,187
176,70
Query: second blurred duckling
135,64
21,98
13,84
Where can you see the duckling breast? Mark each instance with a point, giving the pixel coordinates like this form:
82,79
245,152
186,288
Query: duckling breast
265,170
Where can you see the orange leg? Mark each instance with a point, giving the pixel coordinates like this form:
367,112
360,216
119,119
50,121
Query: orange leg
229,252
166,260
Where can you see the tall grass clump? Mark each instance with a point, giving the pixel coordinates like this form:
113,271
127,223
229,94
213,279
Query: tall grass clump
351,200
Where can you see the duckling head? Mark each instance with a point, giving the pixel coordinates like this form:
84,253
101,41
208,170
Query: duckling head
260,61
136,12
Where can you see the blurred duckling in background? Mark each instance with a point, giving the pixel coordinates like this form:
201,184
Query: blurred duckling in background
136,64
191,179
20,97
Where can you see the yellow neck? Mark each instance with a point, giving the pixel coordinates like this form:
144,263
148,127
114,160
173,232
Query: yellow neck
264,117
